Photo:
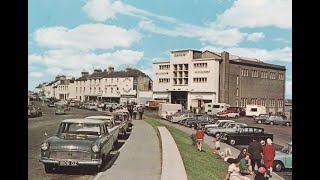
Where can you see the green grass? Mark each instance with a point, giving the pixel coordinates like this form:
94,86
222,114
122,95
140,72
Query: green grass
198,165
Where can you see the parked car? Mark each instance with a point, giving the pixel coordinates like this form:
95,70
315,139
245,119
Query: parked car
60,109
239,110
218,123
111,125
78,142
277,120
92,106
261,118
245,135
51,104
283,158
126,116
121,121
226,128
34,112
228,114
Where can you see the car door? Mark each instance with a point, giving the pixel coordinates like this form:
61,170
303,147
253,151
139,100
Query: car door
288,158
106,140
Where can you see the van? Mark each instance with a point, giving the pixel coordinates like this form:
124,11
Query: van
214,108
255,110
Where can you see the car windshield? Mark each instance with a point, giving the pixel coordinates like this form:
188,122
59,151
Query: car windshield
221,124
80,129
287,149
225,125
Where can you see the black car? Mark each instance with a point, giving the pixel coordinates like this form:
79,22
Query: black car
198,120
245,135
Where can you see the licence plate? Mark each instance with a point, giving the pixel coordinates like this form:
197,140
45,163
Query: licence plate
68,163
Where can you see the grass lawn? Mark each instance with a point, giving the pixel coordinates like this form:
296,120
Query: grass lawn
198,165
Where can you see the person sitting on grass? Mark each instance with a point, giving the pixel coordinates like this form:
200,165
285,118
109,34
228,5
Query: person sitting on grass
245,168
216,146
233,172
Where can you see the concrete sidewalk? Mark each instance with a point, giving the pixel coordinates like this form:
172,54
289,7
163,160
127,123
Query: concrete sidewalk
140,156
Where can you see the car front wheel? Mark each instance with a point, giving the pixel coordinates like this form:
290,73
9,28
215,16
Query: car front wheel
232,142
278,166
271,123
236,116
259,122
287,124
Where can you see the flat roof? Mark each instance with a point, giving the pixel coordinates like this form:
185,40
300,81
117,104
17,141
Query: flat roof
177,50
161,62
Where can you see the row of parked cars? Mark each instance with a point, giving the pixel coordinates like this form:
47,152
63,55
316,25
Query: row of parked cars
85,142
272,119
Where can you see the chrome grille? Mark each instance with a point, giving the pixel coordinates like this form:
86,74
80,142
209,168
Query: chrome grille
70,155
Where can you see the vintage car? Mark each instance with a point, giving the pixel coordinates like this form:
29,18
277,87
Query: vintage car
78,142
112,127
228,114
121,121
277,120
261,118
226,128
51,104
126,115
245,135
218,123
92,106
34,112
283,158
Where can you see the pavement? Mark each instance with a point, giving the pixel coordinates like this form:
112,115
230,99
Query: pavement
139,158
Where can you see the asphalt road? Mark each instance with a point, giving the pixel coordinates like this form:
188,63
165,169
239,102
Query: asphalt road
48,123
281,135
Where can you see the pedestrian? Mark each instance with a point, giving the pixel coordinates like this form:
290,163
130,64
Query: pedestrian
135,111
255,150
200,136
245,168
104,107
233,172
216,146
111,109
130,109
261,174
140,112
194,110
243,153
268,156
190,108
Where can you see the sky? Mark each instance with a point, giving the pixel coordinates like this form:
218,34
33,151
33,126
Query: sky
69,36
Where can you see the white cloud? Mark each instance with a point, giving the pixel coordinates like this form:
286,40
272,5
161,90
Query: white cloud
288,89
255,36
99,10
281,40
86,37
211,34
58,61
248,13
282,54
36,74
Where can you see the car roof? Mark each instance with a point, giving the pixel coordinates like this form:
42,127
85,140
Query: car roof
91,121
99,117
225,120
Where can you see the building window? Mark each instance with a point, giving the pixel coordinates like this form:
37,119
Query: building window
164,80
280,102
243,102
94,91
281,76
263,102
272,75
237,92
244,72
255,73
174,81
264,74
237,103
99,90
80,89
200,80
164,67
84,90
254,101
90,90
272,103
200,65
237,79
105,90
106,80
90,81
111,90
111,80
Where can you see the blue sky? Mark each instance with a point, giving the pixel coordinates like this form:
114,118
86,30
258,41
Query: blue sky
65,37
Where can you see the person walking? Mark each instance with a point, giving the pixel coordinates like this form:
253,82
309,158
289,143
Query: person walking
135,112
194,110
255,150
200,136
140,112
130,109
268,156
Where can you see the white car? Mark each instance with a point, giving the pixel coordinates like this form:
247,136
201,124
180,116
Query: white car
218,123
228,115
112,128
226,128
176,119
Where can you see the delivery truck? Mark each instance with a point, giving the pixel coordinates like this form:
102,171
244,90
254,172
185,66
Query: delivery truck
168,109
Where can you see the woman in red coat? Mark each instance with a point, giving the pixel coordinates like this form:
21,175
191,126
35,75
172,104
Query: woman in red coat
200,136
268,155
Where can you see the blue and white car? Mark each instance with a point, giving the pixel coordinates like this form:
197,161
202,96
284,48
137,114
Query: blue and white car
283,158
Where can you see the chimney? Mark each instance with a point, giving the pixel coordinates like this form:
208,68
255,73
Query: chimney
110,69
62,77
83,73
97,70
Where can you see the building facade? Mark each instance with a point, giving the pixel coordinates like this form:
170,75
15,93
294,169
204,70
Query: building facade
192,78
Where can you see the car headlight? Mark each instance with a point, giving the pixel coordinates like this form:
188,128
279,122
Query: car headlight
95,148
45,146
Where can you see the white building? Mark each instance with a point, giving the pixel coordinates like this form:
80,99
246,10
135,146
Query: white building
190,78
80,86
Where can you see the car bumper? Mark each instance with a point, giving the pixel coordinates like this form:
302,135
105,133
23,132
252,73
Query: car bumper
80,162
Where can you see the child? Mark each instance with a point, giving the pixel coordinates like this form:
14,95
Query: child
216,147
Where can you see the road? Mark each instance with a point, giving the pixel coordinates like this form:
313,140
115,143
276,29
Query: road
48,123
281,135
